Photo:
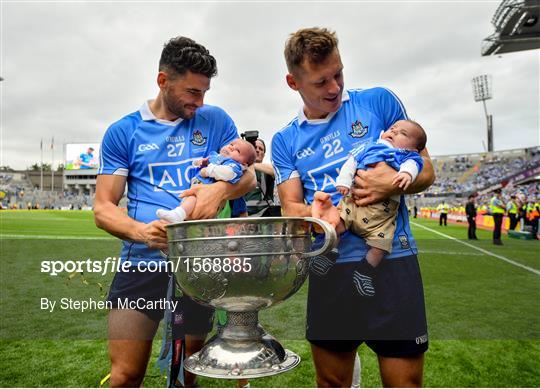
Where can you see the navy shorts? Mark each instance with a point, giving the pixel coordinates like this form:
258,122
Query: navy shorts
152,286
392,323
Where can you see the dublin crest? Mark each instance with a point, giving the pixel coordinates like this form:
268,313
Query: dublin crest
404,242
198,139
358,130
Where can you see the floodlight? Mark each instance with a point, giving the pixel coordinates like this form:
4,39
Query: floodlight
482,92
482,87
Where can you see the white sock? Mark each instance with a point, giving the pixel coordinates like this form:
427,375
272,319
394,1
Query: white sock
357,373
173,216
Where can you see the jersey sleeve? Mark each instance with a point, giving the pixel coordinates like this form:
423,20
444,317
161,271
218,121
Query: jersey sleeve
114,152
237,169
230,172
411,167
413,157
388,107
347,173
230,132
282,159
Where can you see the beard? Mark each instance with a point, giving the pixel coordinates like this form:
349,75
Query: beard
177,107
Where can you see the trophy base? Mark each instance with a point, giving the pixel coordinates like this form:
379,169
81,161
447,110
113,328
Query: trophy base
241,349
228,372
235,360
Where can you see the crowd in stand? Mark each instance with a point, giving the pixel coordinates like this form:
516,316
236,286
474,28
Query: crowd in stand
456,175
459,164
20,194
527,192
463,175
24,198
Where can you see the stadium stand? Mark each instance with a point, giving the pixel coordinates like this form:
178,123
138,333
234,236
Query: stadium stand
515,172
516,27
19,191
467,174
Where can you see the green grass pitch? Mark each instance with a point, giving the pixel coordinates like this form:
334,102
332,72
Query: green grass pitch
483,311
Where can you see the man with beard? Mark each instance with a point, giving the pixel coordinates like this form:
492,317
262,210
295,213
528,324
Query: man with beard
152,151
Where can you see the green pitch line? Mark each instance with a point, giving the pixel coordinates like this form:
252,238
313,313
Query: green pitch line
487,252
441,232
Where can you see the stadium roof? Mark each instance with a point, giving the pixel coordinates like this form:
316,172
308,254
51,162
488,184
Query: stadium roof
516,27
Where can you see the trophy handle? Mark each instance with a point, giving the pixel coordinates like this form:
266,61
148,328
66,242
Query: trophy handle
330,237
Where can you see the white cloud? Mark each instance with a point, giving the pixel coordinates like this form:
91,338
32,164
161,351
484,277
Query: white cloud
71,69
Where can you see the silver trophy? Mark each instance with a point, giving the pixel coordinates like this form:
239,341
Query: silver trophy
241,266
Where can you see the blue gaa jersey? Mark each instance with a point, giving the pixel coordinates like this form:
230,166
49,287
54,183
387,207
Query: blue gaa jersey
315,150
238,207
218,159
156,156
86,159
378,151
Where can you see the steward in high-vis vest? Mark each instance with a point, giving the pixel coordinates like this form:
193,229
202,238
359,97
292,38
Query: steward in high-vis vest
497,211
512,210
533,215
443,212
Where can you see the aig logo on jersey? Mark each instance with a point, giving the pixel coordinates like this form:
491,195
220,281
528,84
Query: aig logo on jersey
305,153
148,147
358,130
172,177
198,139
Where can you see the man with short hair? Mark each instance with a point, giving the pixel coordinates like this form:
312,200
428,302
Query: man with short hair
152,150
443,209
512,210
497,209
86,160
470,211
306,155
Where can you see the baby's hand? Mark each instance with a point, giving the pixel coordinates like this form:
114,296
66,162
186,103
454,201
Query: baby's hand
343,190
402,180
203,162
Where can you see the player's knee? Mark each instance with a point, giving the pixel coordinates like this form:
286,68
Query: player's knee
404,380
333,380
123,376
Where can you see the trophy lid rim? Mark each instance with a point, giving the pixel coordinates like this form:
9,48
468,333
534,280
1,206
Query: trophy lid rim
236,220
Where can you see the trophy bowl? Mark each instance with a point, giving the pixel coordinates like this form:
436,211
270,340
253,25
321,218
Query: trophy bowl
241,266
